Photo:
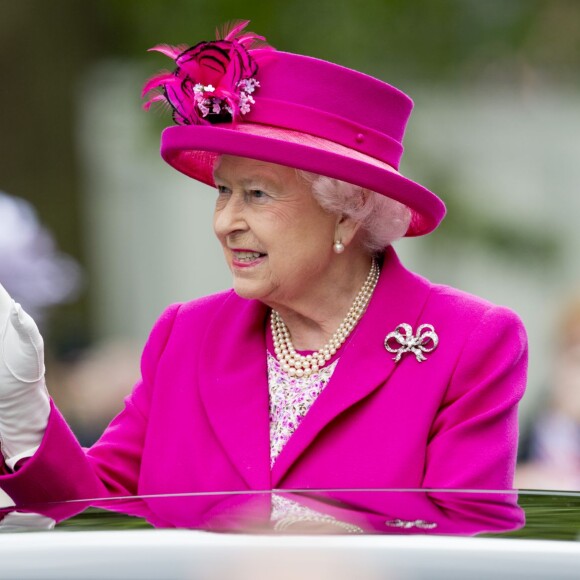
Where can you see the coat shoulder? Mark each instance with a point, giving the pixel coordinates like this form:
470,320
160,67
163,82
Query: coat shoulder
181,322
206,305
186,315
469,308
464,316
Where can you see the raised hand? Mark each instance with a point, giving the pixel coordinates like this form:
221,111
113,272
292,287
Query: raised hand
24,401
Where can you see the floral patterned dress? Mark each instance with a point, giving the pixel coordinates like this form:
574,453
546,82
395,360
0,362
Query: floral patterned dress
291,398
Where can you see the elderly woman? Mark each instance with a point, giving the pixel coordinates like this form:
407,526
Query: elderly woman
328,365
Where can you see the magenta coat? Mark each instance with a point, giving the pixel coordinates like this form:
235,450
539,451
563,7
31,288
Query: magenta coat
198,419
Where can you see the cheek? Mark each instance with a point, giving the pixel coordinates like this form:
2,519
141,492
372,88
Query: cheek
318,231
309,248
280,217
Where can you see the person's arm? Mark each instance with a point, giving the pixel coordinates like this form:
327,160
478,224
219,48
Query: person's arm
473,440
27,419
59,469
116,457
24,400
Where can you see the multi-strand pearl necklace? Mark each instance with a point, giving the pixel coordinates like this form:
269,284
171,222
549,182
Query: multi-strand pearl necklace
295,364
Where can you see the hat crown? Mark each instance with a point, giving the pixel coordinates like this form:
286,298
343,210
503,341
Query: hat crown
334,102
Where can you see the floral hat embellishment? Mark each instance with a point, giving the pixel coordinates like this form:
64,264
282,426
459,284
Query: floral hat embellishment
214,81
402,340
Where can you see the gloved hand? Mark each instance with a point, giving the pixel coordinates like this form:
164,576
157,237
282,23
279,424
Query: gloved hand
24,400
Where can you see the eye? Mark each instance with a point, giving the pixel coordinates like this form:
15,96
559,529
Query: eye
257,194
222,189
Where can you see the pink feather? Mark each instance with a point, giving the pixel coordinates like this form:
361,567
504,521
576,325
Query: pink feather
251,41
229,30
233,31
156,81
159,98
168,50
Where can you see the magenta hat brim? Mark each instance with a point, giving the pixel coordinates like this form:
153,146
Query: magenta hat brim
192,150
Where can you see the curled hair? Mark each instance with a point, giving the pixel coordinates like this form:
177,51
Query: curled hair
383,220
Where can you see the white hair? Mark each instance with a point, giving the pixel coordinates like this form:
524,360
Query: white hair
383,220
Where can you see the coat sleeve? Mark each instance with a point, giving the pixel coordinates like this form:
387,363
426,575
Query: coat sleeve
473,439
62,470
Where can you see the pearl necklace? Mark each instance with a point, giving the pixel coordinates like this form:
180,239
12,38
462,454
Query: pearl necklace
295,364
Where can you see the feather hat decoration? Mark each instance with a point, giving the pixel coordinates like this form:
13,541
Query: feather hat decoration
214,81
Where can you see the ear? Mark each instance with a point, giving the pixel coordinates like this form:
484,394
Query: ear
346,226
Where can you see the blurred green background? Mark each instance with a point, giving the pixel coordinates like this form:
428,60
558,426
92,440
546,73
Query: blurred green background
494,133
46,49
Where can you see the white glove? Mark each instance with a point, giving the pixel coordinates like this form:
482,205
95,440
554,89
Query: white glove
24,400
25,522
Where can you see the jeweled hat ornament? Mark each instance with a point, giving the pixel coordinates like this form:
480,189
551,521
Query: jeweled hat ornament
239,96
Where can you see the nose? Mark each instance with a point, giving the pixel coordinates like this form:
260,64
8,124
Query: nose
229,216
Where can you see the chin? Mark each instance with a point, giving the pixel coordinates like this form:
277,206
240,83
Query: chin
248,291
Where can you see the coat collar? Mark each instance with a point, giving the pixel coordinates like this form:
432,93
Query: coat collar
234,381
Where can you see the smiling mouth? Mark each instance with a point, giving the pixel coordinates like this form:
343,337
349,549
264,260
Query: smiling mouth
246,257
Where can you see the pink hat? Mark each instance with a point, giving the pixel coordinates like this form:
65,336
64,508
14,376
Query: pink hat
238,96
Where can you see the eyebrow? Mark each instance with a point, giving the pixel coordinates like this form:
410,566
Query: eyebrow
253,179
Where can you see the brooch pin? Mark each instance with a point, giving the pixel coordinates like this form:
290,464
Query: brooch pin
424,341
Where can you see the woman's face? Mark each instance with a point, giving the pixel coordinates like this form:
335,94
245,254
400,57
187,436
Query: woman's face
276,239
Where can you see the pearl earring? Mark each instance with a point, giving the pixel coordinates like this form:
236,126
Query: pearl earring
338,247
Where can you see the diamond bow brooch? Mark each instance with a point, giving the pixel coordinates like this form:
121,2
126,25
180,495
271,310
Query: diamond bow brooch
402,340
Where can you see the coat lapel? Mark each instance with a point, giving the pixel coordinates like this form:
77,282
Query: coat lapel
234,387
364,365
